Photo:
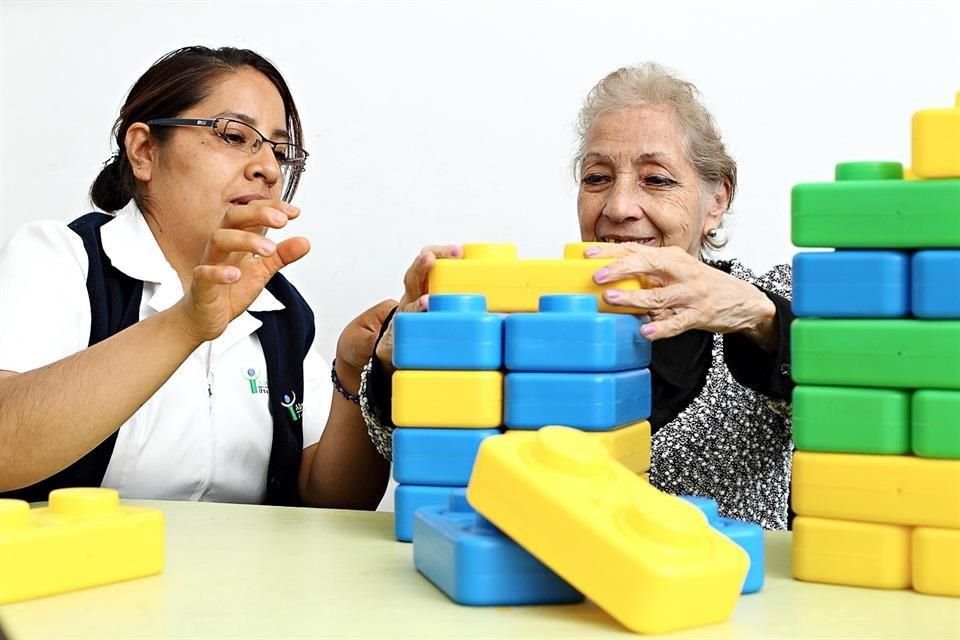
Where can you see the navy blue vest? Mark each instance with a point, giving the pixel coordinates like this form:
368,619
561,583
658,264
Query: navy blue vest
285,337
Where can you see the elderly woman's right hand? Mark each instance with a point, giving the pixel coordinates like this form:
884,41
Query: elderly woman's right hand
414,293
237,263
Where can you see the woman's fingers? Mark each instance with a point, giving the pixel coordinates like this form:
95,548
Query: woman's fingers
415,279
670,326
655,299
654,264
260,215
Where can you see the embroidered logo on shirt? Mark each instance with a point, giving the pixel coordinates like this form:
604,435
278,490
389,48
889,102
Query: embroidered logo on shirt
294,408
256,386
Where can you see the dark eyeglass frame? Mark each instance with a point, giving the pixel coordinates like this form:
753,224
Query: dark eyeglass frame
298,165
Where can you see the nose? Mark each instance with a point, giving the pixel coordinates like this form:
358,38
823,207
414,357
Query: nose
263,165
624,200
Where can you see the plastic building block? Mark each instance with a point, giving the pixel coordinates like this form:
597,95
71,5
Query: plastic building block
936,142
936,423
470,560
851,284
641,555
84,538
851,420
747,535
407,498
456,333
851,553
511,284
911,354
588,401
441,457
889,489
570,335
867,209
448,399
936,284
936,561
629,445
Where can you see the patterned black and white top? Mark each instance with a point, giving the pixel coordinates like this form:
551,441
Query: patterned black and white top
731,442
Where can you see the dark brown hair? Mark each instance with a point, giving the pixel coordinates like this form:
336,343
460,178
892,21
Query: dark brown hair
173,84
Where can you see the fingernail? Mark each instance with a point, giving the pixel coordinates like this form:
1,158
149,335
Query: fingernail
601,275
591,251
233,274
278,218
455,252
647,329
612,294
422,259
267,247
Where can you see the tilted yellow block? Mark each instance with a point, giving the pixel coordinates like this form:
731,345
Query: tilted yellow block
936,142
454,399
85,538
511,284
858,554
648,559
888,489
936,561
629,445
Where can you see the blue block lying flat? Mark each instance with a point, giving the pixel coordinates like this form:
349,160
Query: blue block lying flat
851,284
436,456
588,401
410,497
456,333
474,563
746,534
936,284
570,335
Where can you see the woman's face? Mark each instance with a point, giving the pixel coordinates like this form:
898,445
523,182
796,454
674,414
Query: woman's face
636,184
197,176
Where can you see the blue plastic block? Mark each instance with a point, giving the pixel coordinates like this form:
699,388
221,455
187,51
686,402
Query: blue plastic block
588,401
569,334
746,534
436,456
456,333
851,284
474,563
936,284
410,497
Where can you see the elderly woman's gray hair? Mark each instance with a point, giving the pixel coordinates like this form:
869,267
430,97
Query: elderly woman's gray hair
651,84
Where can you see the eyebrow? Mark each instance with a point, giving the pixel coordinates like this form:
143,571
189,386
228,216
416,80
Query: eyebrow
244,118
653,156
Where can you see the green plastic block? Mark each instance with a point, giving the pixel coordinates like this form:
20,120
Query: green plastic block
851,420
870,207
906,354
936,424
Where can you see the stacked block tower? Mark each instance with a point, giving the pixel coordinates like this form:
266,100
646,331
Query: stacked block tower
876,358
570,511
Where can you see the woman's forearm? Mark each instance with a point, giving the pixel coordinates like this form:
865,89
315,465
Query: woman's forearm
52,416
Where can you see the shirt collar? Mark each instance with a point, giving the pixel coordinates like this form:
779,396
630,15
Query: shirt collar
132,248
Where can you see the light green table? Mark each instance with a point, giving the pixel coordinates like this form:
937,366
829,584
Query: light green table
263,572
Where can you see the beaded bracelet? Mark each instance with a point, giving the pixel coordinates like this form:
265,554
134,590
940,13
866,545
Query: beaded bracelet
352,397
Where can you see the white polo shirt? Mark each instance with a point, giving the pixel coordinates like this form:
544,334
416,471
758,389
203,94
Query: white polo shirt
206,434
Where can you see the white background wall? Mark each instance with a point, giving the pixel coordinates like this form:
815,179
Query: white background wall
431,122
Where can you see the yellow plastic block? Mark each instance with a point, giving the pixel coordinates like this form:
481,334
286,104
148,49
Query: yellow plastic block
888,489
936,142
511,284
648,559
936,561
85,538
454,399
629,445
858,554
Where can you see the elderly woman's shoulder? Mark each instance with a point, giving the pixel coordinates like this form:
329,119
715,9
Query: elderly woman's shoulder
778,280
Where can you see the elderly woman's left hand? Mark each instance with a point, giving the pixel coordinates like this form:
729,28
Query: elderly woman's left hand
684,293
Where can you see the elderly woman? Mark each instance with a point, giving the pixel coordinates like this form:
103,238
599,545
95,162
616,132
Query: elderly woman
655,182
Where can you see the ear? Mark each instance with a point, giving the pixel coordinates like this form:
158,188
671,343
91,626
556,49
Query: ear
717,205
141,151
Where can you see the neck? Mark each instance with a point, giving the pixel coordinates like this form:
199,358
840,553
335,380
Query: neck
179,246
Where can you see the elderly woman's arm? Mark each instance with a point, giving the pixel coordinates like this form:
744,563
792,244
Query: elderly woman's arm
754,366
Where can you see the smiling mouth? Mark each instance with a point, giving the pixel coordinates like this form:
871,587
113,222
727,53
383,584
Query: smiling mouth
645,240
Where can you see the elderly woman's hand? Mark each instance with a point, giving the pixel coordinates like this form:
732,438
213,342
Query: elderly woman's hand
685,293
414,293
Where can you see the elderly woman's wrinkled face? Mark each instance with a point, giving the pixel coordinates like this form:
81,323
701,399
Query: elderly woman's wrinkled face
636,184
